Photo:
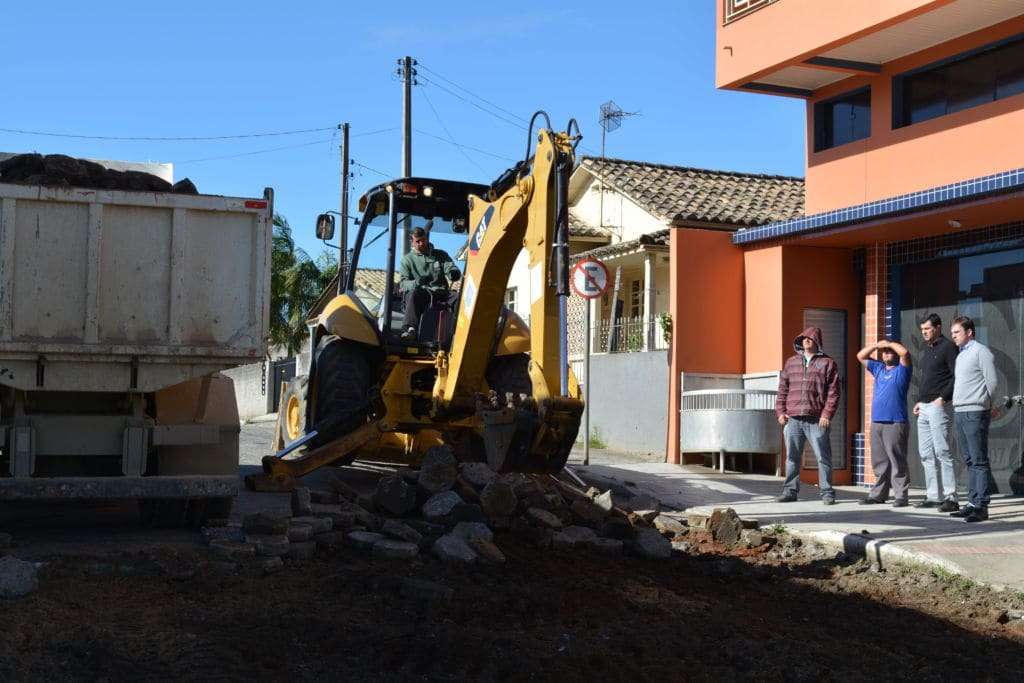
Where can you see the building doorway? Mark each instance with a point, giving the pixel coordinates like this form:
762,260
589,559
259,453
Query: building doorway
832,323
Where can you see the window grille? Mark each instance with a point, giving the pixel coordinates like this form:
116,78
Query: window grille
734,9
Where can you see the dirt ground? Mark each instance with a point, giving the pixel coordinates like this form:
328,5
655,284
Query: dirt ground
785,613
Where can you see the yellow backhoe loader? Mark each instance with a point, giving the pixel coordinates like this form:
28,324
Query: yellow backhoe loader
473,375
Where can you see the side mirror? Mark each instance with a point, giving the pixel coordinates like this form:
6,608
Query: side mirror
325,226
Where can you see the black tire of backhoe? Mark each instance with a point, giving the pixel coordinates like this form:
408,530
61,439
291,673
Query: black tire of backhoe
507,374
342,383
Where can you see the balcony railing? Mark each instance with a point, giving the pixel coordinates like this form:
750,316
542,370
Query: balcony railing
737,9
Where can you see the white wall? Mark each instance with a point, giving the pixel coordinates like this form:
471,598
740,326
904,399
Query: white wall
248,379
623,217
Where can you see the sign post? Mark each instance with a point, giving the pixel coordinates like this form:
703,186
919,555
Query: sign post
589,280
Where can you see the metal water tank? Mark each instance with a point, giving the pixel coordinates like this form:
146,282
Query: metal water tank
720,421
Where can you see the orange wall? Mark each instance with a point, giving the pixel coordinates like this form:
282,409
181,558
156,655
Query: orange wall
765,349
794,30
706,303
968,144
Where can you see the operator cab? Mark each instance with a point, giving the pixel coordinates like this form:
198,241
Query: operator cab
389,210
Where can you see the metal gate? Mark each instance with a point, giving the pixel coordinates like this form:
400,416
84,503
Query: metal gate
833,332
282,371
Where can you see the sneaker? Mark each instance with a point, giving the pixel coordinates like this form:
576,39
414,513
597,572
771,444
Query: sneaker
977,515
949,505
900,503
786,498
828,500
870,501
965,511
927,504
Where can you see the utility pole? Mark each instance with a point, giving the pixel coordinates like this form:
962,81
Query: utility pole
407,70
343,238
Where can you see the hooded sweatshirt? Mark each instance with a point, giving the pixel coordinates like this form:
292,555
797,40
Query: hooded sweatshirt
808,387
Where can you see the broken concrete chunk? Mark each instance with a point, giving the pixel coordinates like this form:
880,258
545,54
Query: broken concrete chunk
477,474
363,540
751,524
487,551
643,503
320,525
669,525
342,488
681,546
725,526
232,550
617,528
269,546
339,516
470,531
389,549
329,540
467,512
266,522
439,470
325,497
305,550
695,521
752,538
652,545
606,546
302,501
573,536
604,501
439,507
498,499
587,512
367,519
299,533
544,518
400,531
450,548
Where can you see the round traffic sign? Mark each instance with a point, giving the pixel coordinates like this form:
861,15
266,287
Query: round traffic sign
589,278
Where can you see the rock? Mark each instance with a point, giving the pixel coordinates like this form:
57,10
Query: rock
695,521
470,531
269,546
325,497
232,550
299,533
6,541
681,546
607,546
468,512
487,551
400,531
302,501
669,525
498,499
750,523
342,488
592,493
643,503
225,533
646,517
426,528
587,512
651,544
363,540
305,550
439,470
753,538
389,549
428,591
725,526
367,502
618,528
450,548
526,488
320,525
466,490
340,517
477,474
367,519
605,502
573,536
544,518
266,523
439,507
329,540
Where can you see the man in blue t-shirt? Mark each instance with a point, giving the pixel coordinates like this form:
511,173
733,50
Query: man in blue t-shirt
888,421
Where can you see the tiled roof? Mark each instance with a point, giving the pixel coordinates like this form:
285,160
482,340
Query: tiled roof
678,194
369,280
658,240
578,228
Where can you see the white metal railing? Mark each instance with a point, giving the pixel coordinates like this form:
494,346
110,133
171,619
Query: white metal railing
629,335
728,399
735,9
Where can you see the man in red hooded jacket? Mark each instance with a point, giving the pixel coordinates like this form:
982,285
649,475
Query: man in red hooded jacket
806,403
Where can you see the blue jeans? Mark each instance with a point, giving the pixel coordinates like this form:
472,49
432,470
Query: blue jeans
797,431
972,439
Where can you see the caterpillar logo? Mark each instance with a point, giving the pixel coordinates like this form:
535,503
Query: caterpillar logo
481,230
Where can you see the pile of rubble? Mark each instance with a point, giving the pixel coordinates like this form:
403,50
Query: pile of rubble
59,170
451,511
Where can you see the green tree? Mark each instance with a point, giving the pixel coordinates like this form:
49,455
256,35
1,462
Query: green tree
296,282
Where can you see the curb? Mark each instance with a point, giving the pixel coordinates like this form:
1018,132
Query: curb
878,550
269,417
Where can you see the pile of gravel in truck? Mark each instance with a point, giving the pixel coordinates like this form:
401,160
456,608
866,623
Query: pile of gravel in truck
59,170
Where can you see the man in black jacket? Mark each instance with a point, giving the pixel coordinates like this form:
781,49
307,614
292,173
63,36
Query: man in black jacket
937,365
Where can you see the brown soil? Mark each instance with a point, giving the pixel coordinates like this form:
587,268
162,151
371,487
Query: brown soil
704,615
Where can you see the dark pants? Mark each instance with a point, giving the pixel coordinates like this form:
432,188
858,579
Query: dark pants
972,439
416,301
889,460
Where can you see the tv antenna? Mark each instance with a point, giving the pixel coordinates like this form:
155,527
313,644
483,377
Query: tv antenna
611,118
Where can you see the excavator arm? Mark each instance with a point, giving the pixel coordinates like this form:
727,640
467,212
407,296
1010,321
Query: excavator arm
526,209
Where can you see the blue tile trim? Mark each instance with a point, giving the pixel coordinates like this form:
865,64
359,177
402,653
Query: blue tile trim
965,190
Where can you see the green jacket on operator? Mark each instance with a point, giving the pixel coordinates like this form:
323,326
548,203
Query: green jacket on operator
433,271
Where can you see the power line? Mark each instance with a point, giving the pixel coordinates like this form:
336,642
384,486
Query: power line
472,94
375,132
258,151
449,134
472,103
475,149
368,168
19,131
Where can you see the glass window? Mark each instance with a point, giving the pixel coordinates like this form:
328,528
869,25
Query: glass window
510,298
843,119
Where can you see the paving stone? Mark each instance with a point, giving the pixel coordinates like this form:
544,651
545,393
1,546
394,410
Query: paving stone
401,531
573,536
439,507
487,551
725,526
669,525
389,549
340,517
267,545
544,518
267,523
650,544
470,531
302,501
299,533
305,550
426,528
330,540
325,497
367,502
363,540
695,521
453,549
342,488
438,470
607,546
367,519
604,501
587,512
477,474
224,533
17,578
498,499
428,591
320,525
232,550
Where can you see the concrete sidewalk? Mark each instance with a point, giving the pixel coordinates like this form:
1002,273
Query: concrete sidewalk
991,552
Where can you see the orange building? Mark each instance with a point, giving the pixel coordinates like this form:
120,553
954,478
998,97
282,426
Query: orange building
914,192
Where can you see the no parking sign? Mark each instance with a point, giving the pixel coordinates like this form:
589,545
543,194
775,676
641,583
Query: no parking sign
589,278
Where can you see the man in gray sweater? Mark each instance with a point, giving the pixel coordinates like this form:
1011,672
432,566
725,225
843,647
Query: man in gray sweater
974,388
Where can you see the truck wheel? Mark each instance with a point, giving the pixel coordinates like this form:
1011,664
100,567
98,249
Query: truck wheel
342,388
510,374
292,411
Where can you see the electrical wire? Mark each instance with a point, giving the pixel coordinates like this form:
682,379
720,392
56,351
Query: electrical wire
471,93
449,134
382,173
469,147
472,103
19,131
258,151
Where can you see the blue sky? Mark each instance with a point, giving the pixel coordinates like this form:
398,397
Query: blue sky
188,69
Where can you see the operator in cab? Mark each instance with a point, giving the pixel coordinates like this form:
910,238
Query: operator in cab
426,273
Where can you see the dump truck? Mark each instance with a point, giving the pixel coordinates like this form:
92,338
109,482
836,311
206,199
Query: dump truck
118,309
